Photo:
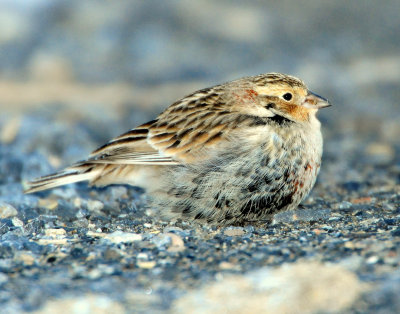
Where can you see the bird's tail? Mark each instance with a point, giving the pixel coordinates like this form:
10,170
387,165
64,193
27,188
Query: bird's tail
83,171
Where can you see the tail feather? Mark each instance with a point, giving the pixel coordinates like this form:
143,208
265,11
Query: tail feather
76,173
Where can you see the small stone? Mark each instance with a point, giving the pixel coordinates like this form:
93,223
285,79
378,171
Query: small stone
78,202
123,237
373,259
304,287
342,205
396,232
89,303
96,234
228,266
349,245
117,192
55,233
112,254
17,222
3,278
26,258
6,210
50,204
146,264
161,241
95,206
380,153
362,200
233,232
177,244
142,256
10,130
318,231
54,161
52,241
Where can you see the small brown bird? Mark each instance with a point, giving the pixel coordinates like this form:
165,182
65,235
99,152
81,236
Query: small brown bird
234,153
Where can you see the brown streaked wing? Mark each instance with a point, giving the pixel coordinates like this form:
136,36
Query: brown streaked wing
187,127
183,129
130,148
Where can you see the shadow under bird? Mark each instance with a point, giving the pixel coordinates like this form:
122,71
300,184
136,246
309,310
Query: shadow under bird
233,153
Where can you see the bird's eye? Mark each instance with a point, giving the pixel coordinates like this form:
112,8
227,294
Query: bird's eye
287,96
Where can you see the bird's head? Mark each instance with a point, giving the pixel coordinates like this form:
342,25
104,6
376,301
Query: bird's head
276,94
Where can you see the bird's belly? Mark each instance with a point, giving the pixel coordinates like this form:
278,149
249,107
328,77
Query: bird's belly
236,189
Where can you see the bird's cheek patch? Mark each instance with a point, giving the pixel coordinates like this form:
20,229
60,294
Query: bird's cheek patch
297,112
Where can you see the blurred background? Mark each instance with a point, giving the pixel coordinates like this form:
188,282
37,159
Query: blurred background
73,74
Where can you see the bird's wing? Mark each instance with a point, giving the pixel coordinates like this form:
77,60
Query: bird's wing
179,135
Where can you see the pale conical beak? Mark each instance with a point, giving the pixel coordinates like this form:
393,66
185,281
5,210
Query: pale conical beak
314,101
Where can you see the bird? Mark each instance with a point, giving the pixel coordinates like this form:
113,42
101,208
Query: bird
232,154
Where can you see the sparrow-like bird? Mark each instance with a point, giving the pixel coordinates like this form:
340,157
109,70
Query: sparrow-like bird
230,154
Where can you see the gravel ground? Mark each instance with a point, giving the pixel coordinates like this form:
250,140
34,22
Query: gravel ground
69,83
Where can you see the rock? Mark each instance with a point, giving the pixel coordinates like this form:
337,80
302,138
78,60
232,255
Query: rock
26,258
142,261
177,243
50,204
362,200
94,205
10,130
113,254
380,153
234,232
52,241
7,210
90,303
123,237
305,287
55,233
228,266
3,278
146,264
17,222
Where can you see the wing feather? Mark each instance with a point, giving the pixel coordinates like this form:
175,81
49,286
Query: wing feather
185,129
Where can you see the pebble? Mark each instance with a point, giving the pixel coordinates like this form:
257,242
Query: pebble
380,153
233,232
7,210
117,192
3,278
362,200
305,287
83,304
342,205
372,259
55,233
146,264
177,243
17,222
26,258
123,237
229,266
10,130
94,205
50,204
52,241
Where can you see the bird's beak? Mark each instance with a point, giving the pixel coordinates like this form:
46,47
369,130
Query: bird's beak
314,101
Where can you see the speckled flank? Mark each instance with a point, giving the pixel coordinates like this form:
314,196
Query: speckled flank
274,176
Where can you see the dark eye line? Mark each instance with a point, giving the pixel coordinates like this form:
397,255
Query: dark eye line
270,105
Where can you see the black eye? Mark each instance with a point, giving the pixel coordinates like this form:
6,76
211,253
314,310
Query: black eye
287,96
